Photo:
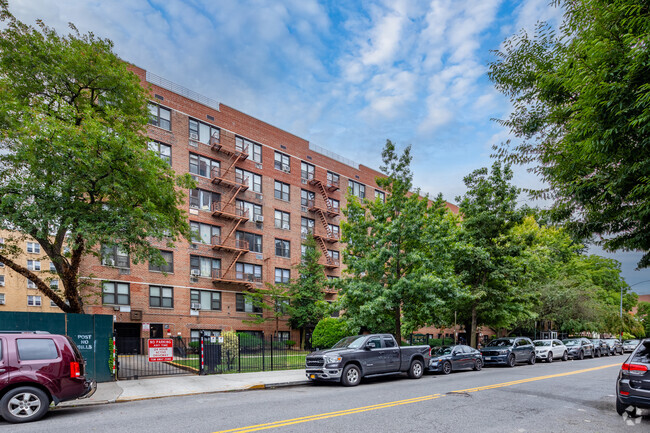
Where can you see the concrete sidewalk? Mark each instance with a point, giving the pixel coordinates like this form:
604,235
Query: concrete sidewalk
173,386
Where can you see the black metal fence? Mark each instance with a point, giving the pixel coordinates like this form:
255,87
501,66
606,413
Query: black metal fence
145,357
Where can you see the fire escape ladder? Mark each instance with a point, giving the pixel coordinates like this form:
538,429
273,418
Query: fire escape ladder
234,229
234,159
236,257
323,247
232,198
323,192
326,225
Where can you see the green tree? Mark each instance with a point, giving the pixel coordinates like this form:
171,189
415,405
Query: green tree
274,299
329,331
643,313
307,292
75,169
486,263
398,254
581,98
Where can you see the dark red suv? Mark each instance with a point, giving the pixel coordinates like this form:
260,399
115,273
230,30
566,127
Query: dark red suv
37,368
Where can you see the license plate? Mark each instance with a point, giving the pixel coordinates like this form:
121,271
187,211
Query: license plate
488,358
312,376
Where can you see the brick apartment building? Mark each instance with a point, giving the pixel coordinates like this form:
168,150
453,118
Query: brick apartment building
260,191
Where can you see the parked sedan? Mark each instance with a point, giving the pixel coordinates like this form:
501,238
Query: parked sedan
448,359
548,350
630,345
615,346
600,347
633,384
579,347
509,351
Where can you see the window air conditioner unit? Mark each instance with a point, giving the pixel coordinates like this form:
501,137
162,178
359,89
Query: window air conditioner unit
194,279
286,168
194,136
259,218
2,283
258,165
285,226
195,272
195,306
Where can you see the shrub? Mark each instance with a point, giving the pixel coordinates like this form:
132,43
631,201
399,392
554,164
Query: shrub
250,341
329,331
437,342
290,343
230,347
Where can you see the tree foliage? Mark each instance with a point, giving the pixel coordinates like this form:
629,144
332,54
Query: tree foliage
643,313
397,254
581,98
75,169
329,331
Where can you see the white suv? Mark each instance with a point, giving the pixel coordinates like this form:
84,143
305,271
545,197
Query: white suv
548,350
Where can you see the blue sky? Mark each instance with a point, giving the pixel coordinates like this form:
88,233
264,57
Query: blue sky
345,75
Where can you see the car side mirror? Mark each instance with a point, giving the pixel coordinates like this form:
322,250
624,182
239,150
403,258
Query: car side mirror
368,346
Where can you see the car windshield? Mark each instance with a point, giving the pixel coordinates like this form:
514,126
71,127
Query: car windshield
611,340
443,351
350,342
632,342
501,342
571,342
542,342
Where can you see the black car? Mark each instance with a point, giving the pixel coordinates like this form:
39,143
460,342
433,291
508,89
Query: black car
452,358
633,384
615,346
509,351
601,348
579,347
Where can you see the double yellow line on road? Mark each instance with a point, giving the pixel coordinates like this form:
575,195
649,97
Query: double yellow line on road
317,417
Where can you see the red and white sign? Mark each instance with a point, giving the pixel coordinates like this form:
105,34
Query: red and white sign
161,349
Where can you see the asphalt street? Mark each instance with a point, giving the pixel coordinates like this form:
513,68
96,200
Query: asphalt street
572,396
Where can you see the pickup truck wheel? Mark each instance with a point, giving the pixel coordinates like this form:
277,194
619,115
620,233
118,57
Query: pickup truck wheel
24,404
446,367
416,370
511,360
351,375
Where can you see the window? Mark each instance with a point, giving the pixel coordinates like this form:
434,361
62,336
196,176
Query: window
209,300
204,233
388,342
204,266
202,132
303,251
195,334
282,275
282,162
31,284
115,293
202,166
282,220
52,267
282,305
254,210
115,256
281,190
254,241
33,349
306,227
54,285
357,189
332,179
2,280
307,198
201,199
163,151
168,256
247,146
334,229
248,272
254,181
336,205
246,305
282,248
33,247
33,301
2,302
34,265
380,195
283,335
160,116
161,297
306,171
334,255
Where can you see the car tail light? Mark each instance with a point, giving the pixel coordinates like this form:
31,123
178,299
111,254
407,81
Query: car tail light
74,369
634,368
624,393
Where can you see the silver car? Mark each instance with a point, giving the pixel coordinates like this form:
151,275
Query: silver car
630,345
549,350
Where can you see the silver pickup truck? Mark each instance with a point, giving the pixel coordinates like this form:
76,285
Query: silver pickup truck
366,355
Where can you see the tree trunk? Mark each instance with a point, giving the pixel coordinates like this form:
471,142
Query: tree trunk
473,329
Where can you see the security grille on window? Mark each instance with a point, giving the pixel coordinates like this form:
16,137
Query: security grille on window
202,166
306,197
163,151
162,297
33,301
254,181
282,275
204,266
254,210
204,233
332,179
168,266
33,247
246,305
281,162
281,190
201,199
209,300
306,171
202,132
115,293
115,256
306,227
31,284
357,189
160,116
248,272
282,248
282,220
254,240
34,265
